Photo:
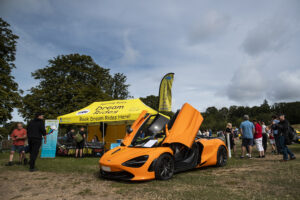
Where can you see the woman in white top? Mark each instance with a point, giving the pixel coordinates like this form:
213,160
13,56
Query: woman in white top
264,136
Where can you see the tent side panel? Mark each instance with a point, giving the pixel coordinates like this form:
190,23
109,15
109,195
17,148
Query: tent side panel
92,131
113,132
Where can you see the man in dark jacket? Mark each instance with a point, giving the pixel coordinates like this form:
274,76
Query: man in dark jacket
283,127
35,131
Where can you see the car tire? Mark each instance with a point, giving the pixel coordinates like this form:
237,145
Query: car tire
222,156
164,167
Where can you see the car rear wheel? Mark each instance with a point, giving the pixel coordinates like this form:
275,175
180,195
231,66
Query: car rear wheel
222,156
164,167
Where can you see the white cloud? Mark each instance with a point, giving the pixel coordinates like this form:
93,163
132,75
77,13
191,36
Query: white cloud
209,27
286,86
268,35
247,84
130,55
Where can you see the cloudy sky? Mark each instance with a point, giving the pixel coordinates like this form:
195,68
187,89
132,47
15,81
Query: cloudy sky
222,52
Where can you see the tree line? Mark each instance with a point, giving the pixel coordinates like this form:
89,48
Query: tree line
216,119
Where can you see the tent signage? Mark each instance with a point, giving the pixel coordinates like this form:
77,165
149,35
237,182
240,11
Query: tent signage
82,112
105,118
108,109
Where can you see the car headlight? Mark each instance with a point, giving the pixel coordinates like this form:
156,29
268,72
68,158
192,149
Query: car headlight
136,162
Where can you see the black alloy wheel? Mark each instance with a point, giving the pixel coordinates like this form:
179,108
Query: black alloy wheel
222,156
164,167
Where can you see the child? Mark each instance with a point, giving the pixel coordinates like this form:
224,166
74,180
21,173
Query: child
272,140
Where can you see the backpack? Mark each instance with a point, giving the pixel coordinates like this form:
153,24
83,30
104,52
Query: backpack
78,137
291,133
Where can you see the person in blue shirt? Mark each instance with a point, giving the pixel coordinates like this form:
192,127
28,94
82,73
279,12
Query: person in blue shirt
247,130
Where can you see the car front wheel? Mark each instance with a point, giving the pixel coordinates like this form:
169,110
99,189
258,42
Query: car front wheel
164,167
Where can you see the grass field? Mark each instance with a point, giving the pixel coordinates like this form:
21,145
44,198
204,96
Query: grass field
241,179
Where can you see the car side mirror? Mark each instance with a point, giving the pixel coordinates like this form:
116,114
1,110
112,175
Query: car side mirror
129,130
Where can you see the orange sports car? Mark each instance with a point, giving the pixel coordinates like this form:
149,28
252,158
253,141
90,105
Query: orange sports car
156,148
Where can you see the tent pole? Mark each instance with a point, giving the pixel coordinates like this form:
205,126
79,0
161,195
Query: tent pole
103,136
87,132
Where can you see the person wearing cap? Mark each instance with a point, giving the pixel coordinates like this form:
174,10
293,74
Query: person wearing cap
283,127
247,130
35,132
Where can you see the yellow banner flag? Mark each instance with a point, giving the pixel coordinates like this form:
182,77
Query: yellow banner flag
165,93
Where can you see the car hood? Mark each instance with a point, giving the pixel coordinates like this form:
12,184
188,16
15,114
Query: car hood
119,155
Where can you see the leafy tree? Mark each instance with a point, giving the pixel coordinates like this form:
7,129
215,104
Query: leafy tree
9,92
8,128
211,110
291,110
151,101
71,82
265,107
119,88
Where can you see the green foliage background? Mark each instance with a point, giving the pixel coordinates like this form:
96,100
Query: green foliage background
9,93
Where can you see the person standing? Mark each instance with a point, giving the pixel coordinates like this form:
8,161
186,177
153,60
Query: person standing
70,135
229,131
80,139
275,133
258,139
264,136
247,131
18,136
36,131
271,139
283,127
210,132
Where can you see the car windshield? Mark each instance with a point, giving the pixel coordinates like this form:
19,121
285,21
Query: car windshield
151,133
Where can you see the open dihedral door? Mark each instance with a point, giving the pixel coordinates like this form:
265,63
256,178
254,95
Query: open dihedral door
135,127
185,126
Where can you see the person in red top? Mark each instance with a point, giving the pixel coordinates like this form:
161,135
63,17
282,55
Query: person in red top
258,139
18,136
271,139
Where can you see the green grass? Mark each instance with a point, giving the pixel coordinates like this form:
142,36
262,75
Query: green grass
240,179
59,164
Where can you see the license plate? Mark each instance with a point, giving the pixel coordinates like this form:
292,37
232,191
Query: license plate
104,168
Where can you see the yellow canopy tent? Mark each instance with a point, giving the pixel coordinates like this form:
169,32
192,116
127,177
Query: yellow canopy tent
116,113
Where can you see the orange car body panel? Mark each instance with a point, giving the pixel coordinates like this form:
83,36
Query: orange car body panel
115,160
210,151
185,127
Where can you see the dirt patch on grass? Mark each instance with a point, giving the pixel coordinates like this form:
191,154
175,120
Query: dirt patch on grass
48,185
